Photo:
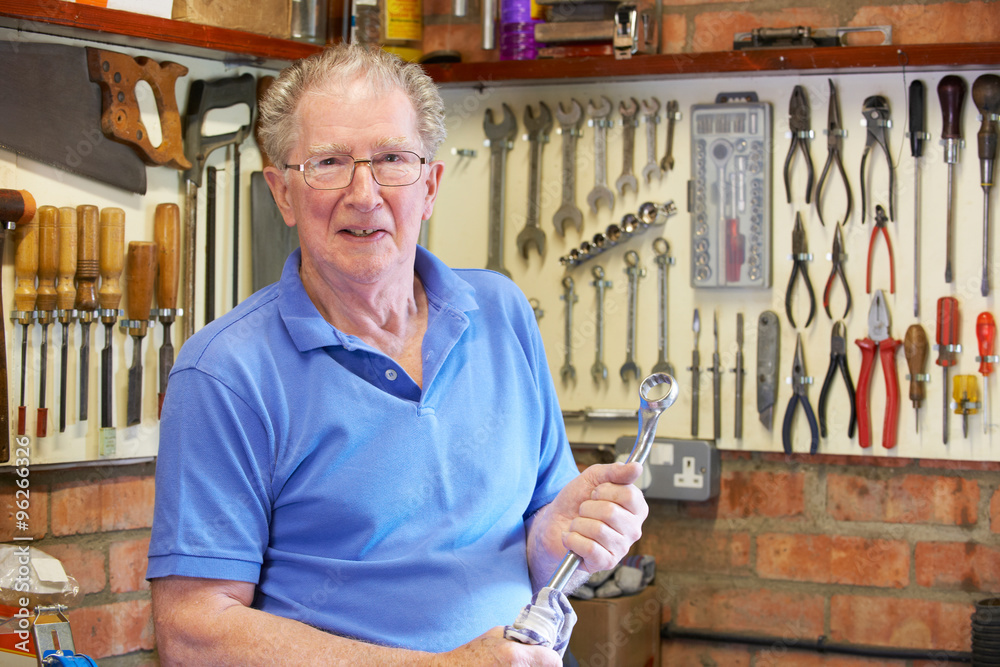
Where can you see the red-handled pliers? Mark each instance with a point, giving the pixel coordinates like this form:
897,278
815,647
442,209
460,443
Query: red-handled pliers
878,338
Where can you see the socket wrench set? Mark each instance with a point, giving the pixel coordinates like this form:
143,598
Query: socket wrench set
729,195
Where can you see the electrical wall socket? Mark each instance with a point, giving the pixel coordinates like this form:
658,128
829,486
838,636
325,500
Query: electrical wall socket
677,469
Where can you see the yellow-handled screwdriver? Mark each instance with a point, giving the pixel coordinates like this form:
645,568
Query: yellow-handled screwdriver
966,399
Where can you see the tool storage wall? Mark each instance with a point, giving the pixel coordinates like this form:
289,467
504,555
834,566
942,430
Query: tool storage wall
459,233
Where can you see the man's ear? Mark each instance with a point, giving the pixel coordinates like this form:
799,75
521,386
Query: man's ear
433,182
279,190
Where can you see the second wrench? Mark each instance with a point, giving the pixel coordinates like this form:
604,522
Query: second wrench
538,135
634,272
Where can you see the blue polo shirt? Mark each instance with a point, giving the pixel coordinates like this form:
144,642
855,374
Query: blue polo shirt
302,460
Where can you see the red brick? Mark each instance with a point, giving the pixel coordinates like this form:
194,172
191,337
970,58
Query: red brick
84,564
950,501
772,613
713,31
868,460
678,653
947,22
128,565
76,508
37,508
127,502
834,559
793,658
905,623
113,629
754,494
692,550
963,565
674,29
995,512
853,498
984,466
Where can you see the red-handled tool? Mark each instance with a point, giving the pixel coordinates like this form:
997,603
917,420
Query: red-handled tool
947,344
986,334
878,339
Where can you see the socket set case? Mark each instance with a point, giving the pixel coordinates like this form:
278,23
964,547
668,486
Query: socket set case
729,194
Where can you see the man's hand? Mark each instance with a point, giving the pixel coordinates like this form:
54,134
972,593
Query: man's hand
598,516
492,649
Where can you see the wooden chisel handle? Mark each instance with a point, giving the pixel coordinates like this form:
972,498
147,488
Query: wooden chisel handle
26,267
111,243
65,289
17,206
87,269
48,260
167,234
141,274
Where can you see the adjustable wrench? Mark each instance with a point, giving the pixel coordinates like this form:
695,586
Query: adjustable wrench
650,113
661,248
599,120
538,134
599,371
671,113
633,272
570,123
568,372
628,109
500,136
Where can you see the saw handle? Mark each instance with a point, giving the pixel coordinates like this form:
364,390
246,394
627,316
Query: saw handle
87,270
208,95
951,94
66,290
17,206
141,273
48,260
167,234
111,241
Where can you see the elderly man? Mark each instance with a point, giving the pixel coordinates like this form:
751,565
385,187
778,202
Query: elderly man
365,463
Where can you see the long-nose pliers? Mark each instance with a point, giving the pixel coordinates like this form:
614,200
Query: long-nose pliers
835,144
799,124
838,359
800,385
837,257
876,112
880,340
800,255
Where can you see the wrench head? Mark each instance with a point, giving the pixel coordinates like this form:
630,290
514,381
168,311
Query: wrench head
629,371
628,108
569,118
568,212
650,107
626,181
650,170
599,111
531,236
598,194
505,129
540,124
599,371
568,374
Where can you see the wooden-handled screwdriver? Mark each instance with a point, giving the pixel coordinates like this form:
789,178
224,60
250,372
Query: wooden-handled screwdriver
111,242
167,234
915,349
141,274
66,297
87,273
25,272
17,209
951,94
45,305
986,95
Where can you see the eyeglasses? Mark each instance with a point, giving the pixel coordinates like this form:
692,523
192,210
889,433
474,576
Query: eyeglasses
333,172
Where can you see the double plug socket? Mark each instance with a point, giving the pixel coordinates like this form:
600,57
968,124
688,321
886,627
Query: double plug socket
677,469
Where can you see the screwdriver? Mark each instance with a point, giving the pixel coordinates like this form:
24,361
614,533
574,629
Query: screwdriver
716,381
25,272
951,93
87,272
918,135
915,349
45,306
986,95
966,395
986,334
66,297
141,275
947,344
695,374
111,241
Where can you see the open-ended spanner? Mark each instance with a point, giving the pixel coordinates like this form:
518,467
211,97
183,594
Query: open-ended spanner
500,136
633,272
599,371
661,248
570,123
650,111
671,113
628,109
538,128
568,372
599,119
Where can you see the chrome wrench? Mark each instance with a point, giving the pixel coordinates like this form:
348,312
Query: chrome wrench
661,248
568,372
634,273
628,109
599,371
538,135
671,113
500,136
650,113
599,120
570,123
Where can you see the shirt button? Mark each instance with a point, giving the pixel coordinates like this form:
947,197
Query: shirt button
390,375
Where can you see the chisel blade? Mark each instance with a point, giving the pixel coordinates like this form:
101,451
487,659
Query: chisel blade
134,409
166,364
84,369
64,359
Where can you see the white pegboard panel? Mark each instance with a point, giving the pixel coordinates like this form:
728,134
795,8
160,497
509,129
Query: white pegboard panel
458,233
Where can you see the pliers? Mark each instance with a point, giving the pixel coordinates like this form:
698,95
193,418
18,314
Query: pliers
878,339
838,359
800,254
835,143
876,112
837,257
798,123
799,396
880,221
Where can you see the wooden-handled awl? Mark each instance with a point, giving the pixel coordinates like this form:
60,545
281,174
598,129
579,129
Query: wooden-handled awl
87,273
66,297
45,305
111,242
17,209
167,234
141,273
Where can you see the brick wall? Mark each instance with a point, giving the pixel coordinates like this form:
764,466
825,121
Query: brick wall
858,550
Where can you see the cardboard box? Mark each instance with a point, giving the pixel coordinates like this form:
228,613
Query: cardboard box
618,632
263,17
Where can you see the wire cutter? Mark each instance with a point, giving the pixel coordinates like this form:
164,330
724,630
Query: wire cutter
878,339
798,123
835,144
800,255
799,396
837,257
876,112
838,359
880,221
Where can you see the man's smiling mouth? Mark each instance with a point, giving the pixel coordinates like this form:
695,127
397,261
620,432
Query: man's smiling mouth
361,233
